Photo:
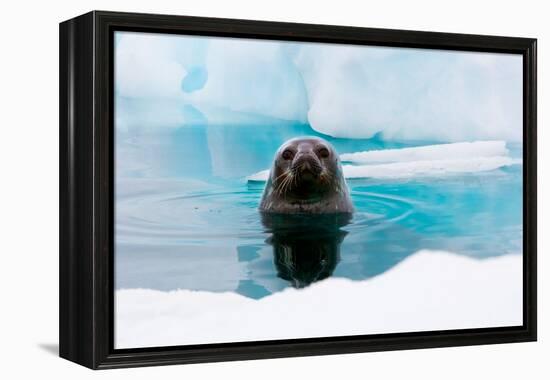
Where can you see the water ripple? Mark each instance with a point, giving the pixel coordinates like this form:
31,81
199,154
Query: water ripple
169,218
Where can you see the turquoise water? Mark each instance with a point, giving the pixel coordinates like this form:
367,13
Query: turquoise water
186,218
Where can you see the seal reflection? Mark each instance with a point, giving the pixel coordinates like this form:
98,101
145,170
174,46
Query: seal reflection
306,248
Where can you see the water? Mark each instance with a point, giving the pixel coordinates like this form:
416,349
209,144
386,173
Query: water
186,218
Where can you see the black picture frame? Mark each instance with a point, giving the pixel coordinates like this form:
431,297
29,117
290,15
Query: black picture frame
86,189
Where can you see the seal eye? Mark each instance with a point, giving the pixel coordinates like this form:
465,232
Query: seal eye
323,152
288,154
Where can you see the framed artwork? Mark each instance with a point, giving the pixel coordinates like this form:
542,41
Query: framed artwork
235,189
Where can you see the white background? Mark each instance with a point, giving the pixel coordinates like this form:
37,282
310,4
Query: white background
29,190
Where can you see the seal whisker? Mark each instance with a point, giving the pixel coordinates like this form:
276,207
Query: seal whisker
283,187
291,180
280,184
286,172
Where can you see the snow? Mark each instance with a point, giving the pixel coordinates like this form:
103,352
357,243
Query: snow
431,290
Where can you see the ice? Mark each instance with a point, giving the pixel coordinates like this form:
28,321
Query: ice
195,79
259,176
431,152
436,168
414,168
255,77
146,66
463,298
342,91
429,160
412,94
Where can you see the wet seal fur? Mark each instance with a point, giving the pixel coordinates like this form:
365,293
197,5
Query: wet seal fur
306,178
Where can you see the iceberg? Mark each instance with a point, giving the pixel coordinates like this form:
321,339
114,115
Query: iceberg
146,66
469,293
341,91
412,94
251,76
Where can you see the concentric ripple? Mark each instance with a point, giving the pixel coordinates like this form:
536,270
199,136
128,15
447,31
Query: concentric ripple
230,213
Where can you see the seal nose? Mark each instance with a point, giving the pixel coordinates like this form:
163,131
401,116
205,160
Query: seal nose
306,163
305,166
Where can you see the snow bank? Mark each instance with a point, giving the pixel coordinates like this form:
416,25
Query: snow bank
430,160
431,290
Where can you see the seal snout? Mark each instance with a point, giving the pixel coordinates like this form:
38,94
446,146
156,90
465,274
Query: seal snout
307,165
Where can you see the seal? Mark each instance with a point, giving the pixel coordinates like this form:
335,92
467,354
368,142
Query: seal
306,178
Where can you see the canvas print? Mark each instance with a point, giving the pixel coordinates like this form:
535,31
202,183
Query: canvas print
269,190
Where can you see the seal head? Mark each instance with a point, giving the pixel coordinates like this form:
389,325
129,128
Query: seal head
306,177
